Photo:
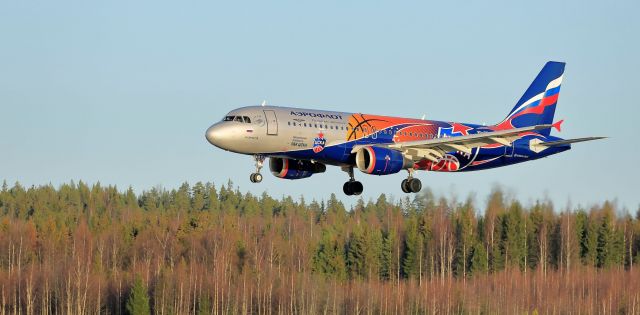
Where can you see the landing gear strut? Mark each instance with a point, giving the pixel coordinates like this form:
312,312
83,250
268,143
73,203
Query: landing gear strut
352,187
411,185
257,177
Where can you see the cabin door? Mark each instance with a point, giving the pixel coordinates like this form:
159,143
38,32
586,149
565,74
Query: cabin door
272,123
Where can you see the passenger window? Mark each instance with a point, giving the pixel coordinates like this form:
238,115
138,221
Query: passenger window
294,124
289,123
305,124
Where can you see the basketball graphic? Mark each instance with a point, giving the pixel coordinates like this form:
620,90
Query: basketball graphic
447,163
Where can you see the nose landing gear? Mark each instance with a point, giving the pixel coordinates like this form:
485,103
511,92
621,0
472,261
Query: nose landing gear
411,185
257,177
352,187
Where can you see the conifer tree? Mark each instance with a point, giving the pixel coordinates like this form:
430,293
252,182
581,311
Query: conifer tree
138,302
386,256
412,247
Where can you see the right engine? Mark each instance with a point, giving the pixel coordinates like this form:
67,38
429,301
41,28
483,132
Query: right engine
294,169
381,161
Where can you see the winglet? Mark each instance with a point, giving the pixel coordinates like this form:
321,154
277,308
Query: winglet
557,125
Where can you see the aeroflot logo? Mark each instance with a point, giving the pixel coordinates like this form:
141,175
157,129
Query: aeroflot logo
315,115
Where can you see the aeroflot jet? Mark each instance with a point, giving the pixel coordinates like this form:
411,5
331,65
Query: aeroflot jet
301,142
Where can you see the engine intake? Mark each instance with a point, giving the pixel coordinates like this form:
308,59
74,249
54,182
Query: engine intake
381,161
294,169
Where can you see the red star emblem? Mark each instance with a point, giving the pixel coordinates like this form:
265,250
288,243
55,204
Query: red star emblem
457,127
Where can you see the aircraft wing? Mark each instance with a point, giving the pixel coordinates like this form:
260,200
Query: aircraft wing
433,149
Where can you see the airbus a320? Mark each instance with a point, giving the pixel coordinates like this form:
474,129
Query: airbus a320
301,142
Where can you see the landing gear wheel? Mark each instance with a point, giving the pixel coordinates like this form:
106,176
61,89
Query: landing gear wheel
352,188
255,177
346,188
357,188
415,185
411,185
405,186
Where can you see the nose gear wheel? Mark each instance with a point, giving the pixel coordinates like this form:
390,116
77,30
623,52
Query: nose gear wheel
257,177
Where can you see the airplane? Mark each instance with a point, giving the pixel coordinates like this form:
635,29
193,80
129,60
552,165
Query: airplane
302,142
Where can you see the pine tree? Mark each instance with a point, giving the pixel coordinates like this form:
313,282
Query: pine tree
328,258
478,259
514,237
464,224
386,256
412,247
198,194
138,303
606,239
356,254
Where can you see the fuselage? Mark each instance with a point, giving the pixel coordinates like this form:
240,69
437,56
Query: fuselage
329,137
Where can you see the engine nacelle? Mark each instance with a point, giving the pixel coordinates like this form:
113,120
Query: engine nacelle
294,169
381,161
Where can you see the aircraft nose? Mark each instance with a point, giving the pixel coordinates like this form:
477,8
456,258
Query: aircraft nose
213,135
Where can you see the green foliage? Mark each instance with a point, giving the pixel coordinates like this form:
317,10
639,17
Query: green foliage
514,237
465,236
364,253
138,302
204,305
413,246
386,256
478,263
329,256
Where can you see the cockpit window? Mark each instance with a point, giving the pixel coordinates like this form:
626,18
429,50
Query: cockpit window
242,119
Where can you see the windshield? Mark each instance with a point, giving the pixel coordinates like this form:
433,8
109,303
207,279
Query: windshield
242,119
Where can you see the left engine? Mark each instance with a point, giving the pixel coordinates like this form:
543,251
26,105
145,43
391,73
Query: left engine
294,169
381,161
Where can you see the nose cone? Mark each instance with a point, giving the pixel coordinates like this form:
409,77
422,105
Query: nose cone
214,135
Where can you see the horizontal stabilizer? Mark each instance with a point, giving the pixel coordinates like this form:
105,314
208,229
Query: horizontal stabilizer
569,141
536,145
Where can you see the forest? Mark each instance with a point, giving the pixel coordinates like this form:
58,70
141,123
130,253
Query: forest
206,248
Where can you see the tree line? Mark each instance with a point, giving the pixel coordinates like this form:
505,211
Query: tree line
208,249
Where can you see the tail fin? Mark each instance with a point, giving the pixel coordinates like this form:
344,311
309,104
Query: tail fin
538,104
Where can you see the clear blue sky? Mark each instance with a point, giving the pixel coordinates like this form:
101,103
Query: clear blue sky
121,92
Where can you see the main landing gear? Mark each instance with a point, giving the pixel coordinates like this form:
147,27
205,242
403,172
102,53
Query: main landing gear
352,187
411,185
257,177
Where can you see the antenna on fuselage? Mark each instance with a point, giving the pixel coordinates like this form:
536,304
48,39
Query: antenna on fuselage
264,102
424,116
